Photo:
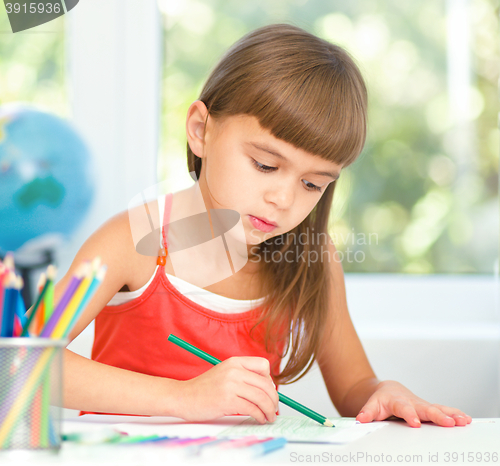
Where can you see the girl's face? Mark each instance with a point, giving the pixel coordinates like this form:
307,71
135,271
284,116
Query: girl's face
272,184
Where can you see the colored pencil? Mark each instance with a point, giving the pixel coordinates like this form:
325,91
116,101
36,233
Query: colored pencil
243,442
163,440
28,386
103,435
98,278
35,419
191,442
20,319
269,445
3,273
135,439
74,303
28,390
284,399
40,317
10,303
158,439
49,298
63,303
6,267
24,396
44,283
42,432
235,448
199,448
8,261
54,439
44,415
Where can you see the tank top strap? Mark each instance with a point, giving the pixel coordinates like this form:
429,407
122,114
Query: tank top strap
166,219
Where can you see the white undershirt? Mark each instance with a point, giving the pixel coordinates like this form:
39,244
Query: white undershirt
199,295
196,294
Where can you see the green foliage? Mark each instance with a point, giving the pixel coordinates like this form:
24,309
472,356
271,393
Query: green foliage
32,65
422,196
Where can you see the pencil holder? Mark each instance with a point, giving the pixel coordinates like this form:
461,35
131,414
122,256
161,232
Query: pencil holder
31,393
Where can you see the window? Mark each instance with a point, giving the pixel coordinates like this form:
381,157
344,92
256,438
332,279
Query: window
424,192
32,65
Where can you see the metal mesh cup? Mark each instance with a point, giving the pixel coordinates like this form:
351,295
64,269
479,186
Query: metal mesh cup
31,393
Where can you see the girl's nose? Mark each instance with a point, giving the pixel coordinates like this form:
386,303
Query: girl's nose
282,196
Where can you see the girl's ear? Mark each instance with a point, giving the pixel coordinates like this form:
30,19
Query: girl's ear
195,127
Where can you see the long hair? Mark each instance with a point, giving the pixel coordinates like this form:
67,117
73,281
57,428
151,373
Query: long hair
308,93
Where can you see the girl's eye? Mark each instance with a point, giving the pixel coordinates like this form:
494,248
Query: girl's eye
311,187
262,168
266,169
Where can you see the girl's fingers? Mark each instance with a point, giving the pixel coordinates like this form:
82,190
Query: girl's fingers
407,412
412,409
435,414
257,373
369,411
259,399
461,419
248,379
254,364
365,416
249,409
264,384
415,414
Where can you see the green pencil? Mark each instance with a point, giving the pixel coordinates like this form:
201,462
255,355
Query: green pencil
24,332
284,399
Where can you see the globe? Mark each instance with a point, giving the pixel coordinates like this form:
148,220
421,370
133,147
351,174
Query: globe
45,177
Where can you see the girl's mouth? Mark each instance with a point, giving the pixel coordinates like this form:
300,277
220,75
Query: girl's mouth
261,224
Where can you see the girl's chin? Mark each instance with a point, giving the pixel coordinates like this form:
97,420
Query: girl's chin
256,237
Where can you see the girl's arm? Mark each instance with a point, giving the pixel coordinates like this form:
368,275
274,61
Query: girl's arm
350,380
92,386
236,386
348,376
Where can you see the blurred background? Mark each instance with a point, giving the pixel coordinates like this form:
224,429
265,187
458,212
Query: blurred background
416,216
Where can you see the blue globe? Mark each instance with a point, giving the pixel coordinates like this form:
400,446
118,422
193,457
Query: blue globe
45,176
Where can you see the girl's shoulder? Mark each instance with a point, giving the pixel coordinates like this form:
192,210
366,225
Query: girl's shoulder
140,229
127,269
128,245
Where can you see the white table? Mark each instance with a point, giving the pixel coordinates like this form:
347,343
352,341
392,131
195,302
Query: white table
394,443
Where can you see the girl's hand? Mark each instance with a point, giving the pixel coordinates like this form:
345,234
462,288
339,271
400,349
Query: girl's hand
238,385
392,398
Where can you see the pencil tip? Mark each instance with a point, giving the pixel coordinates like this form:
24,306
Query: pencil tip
328,423
10,280
82,269
96,263
9,261
41,280
86,269
51,272
19,283
102,272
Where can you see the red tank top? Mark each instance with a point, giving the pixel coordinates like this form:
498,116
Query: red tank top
133,335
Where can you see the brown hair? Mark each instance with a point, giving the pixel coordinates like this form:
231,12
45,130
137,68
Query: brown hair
309,93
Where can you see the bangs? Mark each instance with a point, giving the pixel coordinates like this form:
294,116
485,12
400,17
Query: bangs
318,112
304,90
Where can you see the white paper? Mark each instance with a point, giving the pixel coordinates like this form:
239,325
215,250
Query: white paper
302,429
154,425
293,428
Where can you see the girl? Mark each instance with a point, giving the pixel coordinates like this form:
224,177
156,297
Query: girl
279,117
